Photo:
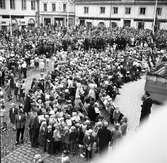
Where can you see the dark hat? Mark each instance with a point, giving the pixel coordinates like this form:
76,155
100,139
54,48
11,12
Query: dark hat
147,94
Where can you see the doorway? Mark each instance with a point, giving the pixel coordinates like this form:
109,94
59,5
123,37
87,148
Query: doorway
127,23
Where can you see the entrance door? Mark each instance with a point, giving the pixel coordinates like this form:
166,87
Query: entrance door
127,23
47,21
82,22
58,21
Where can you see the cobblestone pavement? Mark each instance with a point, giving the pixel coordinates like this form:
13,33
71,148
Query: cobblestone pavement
25,154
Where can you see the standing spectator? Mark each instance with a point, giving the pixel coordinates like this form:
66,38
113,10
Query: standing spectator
13,111
20,122
88,141
35,126
42,134
117,134
3,124
146,107
24,69
104,137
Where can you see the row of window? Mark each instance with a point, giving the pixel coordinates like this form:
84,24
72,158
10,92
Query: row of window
142,10
45,7
13,4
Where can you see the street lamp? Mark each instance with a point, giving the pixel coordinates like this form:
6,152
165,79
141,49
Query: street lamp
38,12
155,15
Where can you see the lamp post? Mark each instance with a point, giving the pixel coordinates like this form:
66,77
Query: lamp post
10,25
155,15
67,21
38,13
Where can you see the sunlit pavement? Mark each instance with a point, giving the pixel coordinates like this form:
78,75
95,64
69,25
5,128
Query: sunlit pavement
129,102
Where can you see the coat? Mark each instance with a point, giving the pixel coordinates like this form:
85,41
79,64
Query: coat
146,108
27,104
20,123
12,114
104,136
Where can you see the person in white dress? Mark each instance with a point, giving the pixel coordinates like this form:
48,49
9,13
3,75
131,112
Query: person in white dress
92,92
41,64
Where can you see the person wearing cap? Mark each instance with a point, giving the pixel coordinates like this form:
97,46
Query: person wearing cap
20,121
104,137
146,107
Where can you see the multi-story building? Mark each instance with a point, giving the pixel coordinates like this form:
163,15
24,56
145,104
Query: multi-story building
132,13
57,12
18,13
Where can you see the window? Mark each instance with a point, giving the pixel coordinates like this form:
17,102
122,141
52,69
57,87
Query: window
32,4
86,10
64,7
159,11
115,10
45,7
23,4
2,4
12,4
142,11
127,10
53,7
102,10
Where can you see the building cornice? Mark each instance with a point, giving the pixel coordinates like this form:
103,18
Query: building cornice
118,19
118,2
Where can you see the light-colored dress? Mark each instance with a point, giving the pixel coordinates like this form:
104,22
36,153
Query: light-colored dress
41,64
92,93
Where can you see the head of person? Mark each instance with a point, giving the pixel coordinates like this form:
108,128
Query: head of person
105,124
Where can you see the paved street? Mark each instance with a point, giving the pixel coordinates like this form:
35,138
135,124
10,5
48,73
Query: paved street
129,101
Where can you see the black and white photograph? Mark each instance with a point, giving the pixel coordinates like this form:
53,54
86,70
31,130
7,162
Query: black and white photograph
83,81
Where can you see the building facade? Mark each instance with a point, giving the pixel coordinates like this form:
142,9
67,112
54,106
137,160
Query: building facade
17,13
133,13
57,12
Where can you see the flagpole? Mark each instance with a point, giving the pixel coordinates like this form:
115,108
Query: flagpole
155,14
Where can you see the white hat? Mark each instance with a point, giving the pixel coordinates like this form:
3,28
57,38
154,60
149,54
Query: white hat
37,157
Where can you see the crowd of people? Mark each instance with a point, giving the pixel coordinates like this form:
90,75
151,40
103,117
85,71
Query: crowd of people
71,107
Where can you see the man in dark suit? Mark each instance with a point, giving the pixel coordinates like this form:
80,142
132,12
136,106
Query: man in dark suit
34,126
104,137
146,107
20,121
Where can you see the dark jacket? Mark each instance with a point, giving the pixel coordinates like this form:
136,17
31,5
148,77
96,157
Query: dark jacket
20,123
12,114
104,136
146,108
